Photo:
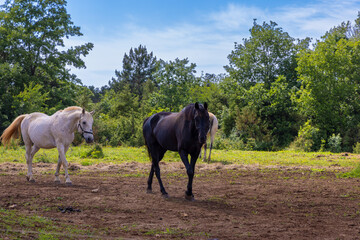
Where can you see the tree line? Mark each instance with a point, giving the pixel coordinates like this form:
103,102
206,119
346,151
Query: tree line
277,92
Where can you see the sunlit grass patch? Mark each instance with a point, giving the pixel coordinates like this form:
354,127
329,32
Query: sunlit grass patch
28,227
120,155
355,173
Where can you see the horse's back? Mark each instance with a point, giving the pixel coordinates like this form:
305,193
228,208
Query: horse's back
37,127
160,129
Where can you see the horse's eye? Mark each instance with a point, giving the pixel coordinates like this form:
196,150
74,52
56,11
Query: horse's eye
84,123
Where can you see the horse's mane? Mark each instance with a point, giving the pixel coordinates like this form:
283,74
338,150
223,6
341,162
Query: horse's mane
189,110
72,108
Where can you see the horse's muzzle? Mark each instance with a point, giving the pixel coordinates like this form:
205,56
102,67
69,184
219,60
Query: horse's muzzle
88,138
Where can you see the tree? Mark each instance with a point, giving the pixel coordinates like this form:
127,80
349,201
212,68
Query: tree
174,80
330,75
32,36
138,67
267,54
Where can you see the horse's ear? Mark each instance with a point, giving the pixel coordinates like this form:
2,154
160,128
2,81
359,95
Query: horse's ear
197,105
83,111
92,112
205,105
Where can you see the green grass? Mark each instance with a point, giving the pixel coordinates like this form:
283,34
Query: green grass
120,155
19,226
355,173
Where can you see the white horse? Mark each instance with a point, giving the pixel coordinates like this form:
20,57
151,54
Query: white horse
39,130
214,124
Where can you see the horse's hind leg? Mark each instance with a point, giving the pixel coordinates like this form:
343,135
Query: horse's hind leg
157,153
157,173
150,179
57,179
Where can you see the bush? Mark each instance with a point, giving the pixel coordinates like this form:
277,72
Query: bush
355,173
119,131
335,143
356,148
95,152
233,142
308,138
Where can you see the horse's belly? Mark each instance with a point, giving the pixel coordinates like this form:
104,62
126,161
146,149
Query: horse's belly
43,142
40,135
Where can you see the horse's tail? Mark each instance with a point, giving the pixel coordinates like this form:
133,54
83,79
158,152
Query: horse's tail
13,131
146,125
214,128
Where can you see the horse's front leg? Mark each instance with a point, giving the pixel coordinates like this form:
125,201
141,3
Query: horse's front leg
62,151
57,173
190,168
30,152
205,146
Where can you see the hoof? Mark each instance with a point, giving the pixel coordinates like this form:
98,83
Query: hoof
69,183
30,179
190,197
149,191
166,196
57,181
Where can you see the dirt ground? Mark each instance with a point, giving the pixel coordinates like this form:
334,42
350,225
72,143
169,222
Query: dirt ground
232,202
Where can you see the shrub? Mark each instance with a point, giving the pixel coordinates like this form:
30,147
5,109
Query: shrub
356,148
95,152
335,143
308,138
355,173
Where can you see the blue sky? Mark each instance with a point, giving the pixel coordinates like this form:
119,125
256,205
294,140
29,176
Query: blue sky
202,31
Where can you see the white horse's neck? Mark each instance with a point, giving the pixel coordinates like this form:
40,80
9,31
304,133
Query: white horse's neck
71,120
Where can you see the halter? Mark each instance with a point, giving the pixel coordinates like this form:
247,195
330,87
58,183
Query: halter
84,131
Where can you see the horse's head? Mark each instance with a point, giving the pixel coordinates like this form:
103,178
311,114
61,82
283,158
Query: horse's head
202,124
85,125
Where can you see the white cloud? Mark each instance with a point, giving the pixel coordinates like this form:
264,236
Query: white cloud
236,17
200,45
208,43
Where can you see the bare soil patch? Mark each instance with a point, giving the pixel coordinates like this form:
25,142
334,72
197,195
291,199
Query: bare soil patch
232,202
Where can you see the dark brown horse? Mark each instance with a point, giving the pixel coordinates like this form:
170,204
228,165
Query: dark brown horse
184,132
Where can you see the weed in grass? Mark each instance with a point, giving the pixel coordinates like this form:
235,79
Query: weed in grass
95,152
355,173
86,163
42,158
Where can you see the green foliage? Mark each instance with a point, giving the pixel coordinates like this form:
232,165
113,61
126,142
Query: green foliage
308,138
138,68
33,58
267,54
275,83
334,143
119,131
355,173
32,99
330,84
95,152
262,78
175,79
356,148
233,142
